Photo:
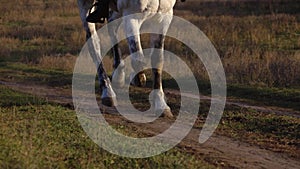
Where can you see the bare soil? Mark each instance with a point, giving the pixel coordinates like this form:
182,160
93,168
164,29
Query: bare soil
218,150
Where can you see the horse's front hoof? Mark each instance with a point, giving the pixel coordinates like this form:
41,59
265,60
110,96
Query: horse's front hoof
108,97
109,101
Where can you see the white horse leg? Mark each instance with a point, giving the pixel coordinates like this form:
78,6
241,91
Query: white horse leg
118,75
132,30
157,96
108,95
157,59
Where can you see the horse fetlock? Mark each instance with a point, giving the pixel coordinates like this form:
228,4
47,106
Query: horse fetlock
118,76
158,101
108,97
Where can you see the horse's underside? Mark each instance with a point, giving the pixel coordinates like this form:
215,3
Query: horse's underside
132,25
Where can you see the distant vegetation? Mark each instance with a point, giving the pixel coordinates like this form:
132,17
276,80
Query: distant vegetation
258,40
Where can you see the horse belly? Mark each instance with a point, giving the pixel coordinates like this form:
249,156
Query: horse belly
140,6
166,6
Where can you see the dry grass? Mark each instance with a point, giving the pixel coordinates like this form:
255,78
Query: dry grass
65,62
258,41
264,68
41,27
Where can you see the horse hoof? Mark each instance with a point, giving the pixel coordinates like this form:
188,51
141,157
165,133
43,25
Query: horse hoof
108,101
165,113
142,79
138,80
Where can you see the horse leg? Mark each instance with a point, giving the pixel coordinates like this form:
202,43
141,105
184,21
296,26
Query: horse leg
132,30
118,76
108,96
157,59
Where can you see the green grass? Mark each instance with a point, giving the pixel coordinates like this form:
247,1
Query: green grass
34,135
255,95
263,96
19,72
11,98
270,131
278,133
281,97
31,127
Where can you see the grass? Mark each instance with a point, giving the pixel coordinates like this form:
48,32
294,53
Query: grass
40,29
258,41
281,97
35,135
274,132
60,77
240,8
32,127
18,72
270,131
11,98
260,96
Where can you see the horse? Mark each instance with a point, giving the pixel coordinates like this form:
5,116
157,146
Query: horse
120,8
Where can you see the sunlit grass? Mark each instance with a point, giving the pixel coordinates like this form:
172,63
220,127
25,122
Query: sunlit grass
50,136
270,131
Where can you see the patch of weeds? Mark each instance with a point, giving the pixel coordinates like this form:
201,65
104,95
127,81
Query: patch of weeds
282,97
46,135
37,135
28,73
17,23
278,133
9,98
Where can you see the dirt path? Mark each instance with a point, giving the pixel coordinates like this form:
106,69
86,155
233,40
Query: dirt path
219,150
265,109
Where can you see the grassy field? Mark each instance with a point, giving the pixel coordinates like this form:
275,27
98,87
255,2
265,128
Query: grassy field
259,45
258,41
36,133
